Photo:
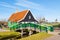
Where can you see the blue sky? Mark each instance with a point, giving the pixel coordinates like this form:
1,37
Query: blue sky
50,9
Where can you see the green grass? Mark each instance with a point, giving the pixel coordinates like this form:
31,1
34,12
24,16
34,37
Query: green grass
6,35
39,36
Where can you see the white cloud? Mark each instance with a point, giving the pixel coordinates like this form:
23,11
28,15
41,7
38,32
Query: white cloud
29,4
23,3
7,5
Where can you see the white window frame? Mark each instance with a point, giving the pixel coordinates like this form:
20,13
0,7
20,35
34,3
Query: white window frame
29,17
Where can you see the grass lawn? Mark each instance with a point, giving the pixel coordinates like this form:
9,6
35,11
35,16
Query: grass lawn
6,35
39,36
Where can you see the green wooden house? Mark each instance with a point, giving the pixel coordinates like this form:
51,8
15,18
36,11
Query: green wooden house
22,20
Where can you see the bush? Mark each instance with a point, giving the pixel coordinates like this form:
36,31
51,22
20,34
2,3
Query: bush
57,25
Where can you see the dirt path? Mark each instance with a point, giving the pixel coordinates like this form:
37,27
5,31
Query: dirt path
56,37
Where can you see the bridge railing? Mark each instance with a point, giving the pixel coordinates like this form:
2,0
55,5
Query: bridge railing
14,26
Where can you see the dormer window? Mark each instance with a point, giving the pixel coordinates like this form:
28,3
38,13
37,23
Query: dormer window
29,17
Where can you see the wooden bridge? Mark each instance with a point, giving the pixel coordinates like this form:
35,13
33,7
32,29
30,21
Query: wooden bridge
28,28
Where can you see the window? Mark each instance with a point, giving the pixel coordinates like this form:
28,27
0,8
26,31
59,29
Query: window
22,22
29,17
26,22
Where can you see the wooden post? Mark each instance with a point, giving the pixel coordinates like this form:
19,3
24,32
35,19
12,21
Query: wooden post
30,32
22,33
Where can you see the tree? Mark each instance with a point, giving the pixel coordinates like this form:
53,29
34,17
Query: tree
43,20
56,20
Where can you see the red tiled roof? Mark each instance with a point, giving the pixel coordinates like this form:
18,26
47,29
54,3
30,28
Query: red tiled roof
18,16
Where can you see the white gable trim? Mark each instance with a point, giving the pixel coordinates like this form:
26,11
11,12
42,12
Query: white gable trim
24,16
